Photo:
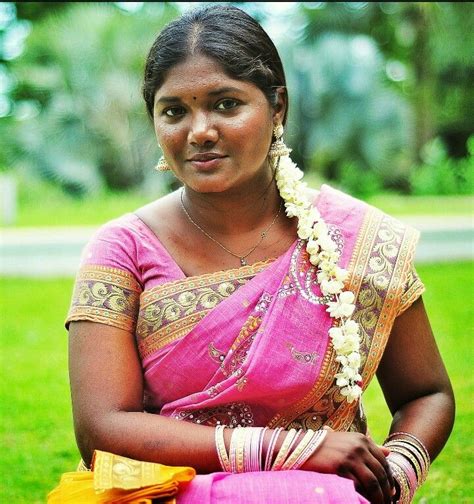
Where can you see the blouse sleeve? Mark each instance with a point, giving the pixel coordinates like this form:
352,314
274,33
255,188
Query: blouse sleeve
107,287
412,290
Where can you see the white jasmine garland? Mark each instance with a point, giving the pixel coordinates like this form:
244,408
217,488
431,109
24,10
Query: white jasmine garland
323,254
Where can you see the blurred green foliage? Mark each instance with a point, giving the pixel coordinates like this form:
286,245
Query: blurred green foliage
372,85
440,174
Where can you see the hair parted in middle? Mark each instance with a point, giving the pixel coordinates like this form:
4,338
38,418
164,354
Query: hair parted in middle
226,34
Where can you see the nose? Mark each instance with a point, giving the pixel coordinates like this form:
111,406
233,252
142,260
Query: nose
202,131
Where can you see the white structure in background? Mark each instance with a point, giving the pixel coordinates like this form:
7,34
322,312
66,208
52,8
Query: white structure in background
8,199
56,252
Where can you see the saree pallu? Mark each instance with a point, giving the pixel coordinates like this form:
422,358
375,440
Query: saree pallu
250,346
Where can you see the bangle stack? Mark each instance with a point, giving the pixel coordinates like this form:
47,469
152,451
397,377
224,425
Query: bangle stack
409,461
246,449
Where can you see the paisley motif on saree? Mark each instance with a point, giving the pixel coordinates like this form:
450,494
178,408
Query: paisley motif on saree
105,295
250,346
384,281
169,311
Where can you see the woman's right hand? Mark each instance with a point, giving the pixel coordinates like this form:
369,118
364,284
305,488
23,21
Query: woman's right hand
353,455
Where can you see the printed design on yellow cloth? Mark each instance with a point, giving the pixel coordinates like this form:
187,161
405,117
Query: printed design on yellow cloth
119,480
115,471
105,295
379,271
170,311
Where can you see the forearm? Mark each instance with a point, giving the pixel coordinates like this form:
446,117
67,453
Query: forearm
156,438
430,418
152,438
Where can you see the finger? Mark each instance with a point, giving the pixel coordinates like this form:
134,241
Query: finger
348,475
369,485
385,450
383,478
377,452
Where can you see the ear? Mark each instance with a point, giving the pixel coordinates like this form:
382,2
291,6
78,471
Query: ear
279,110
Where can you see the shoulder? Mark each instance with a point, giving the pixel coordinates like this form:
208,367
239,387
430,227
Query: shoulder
159,215
120,228
116,245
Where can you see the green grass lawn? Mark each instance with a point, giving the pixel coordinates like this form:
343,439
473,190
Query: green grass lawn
42,204
36,428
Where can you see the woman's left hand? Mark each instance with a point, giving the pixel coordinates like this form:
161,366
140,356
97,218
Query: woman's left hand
355,456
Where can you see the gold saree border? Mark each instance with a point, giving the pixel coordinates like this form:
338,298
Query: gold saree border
105,295
414,290
323,404
409,236
152,335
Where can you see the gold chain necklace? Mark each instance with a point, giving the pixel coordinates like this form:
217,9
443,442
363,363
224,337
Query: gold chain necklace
242,258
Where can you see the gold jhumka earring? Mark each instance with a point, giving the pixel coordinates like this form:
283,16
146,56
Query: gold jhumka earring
278,147
162,165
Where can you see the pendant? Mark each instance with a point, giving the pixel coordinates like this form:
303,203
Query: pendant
243,262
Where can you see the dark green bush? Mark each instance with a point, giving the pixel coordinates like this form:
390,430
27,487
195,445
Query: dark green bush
441,175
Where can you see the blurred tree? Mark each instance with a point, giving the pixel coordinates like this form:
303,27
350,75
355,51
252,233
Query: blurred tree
370,83
429,53
81,73
34,11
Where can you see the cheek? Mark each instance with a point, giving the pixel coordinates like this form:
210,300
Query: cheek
170,138
252,132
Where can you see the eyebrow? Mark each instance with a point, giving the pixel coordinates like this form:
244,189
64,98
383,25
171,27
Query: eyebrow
174,99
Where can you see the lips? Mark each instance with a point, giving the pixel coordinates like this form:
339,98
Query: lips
208,156
206,162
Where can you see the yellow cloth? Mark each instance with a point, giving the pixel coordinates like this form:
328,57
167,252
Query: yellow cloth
120,480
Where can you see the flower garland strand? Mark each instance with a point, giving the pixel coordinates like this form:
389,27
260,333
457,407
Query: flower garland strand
323,254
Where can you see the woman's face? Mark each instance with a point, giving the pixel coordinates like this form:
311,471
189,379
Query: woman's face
215,131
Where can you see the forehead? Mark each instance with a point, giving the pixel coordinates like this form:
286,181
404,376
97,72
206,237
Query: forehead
200,74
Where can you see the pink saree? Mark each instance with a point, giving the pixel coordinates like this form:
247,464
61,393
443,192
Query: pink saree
249,346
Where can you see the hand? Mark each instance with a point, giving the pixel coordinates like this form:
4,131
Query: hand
354,456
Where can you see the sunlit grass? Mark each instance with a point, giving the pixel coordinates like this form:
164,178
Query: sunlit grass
448,300
36,429
52,207
42,204
394,204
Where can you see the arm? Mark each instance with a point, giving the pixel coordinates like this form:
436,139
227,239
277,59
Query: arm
414,381
107,399
419,394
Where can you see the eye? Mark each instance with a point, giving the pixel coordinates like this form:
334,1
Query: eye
227,104
173,111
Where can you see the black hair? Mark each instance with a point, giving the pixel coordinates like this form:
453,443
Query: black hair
226,34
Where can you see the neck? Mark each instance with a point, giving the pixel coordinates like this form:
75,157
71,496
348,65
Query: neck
234,212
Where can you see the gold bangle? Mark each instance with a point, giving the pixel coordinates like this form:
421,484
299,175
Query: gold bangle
284,449
423,463
405,493
313,445
308,445
417,451
416,442
234,445
221,449
413,460
298,450
240,448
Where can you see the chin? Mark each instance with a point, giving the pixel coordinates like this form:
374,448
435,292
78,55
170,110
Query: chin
210,184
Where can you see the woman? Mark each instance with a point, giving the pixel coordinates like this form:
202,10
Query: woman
245,299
